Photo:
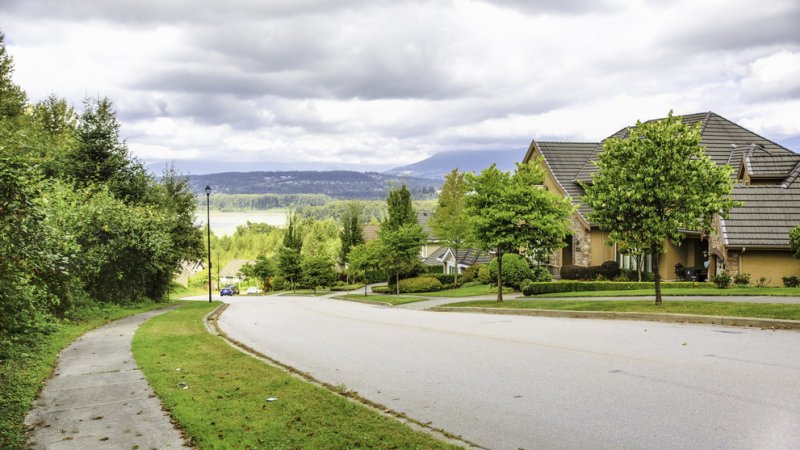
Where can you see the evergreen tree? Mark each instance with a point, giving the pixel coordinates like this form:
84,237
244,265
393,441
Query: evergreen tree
292,238
400,209
351,234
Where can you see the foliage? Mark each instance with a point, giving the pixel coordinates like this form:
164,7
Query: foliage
742,279
400,248
791,281
585,286
292,238
350,235
762,282
470,273
540,274
400,210
289,261
419,284
317,271
263,270
515,269
794,241
655,182
365,257
510,211
449,222
608,270
722,280
483,274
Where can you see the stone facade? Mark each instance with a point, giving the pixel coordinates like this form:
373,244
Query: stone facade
581,243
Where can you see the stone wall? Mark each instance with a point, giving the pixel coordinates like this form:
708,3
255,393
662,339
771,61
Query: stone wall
581,242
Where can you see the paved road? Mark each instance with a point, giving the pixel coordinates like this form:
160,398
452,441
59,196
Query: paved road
512,382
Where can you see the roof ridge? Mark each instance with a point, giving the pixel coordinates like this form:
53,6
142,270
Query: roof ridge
752,132
704,122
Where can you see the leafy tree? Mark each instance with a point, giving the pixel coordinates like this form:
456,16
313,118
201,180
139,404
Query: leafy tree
653,183
794,241
58,124
12,97
317,271
289,260
364,257
263,270
350,235
511,211
400,209
292,238
449,222
400,249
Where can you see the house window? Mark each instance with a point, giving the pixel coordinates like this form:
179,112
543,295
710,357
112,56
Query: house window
628,262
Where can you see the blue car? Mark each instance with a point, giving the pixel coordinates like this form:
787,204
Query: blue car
226,291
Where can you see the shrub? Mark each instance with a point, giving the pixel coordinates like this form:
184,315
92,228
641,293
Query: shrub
540,274
483,274
582,286
525,283
515,269
743,279
382,290
470,273
609,269
762,282
420,284
347,287
722,280
445,278
430,270
791,281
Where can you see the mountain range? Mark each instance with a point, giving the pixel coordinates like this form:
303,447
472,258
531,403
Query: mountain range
439,164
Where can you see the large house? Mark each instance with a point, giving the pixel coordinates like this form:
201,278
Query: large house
754,239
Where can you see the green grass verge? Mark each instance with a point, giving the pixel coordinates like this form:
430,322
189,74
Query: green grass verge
304,293
381,298
468,291
24,371
225,404
703,292
758,310
177,291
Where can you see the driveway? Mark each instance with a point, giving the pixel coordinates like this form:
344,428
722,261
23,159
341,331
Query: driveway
513,382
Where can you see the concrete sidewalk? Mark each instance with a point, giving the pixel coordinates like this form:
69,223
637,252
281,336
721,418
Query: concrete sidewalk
98,397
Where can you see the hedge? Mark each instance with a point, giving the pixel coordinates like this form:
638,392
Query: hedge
420,284
580,286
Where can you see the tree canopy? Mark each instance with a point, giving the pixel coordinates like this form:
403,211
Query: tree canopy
655,182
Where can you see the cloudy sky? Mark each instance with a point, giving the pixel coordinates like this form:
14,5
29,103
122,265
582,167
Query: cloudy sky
300,84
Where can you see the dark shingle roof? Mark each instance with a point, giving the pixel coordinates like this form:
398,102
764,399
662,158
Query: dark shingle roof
565,160
435,258
769,212
422,219
766,217
472,256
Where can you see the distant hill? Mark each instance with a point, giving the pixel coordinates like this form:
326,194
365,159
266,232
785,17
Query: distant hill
439,164
340,184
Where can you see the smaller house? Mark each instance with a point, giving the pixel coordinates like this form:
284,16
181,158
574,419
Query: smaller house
232,272
458,261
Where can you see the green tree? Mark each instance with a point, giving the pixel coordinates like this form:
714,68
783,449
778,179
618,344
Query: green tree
262,270
449,222
400,249
317,271
655,182
508,212
12,97
364,257
400,209
350,235
289,260
794,241
292,238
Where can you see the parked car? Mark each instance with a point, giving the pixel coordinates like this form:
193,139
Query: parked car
233,289
253,290
226,291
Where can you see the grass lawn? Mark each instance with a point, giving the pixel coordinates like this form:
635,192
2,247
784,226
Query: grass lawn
381,298
24,370
468,291
304,293
177,291
225,404
759,310
703,292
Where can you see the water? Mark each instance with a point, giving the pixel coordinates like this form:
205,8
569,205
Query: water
224,223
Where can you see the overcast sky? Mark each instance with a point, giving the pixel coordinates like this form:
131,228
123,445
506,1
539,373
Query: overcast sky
281,84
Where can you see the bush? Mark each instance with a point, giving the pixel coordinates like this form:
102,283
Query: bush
743,279
445,278
609,269
582,286
430,270
382,290
470,273
483,274
791,281
515,269
420,284
540,274
762,282
347,287
722,280
525,283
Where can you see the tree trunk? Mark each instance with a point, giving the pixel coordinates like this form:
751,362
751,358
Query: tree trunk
499,276
656,275
397,282
639,261
366,282
455,276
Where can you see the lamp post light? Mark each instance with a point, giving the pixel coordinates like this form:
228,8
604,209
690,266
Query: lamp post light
208,233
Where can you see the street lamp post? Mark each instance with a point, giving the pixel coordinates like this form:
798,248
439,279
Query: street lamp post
208,233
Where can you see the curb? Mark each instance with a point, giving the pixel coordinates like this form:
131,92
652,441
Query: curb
777,324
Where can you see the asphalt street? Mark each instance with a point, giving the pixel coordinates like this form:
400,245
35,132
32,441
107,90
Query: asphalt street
510,382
